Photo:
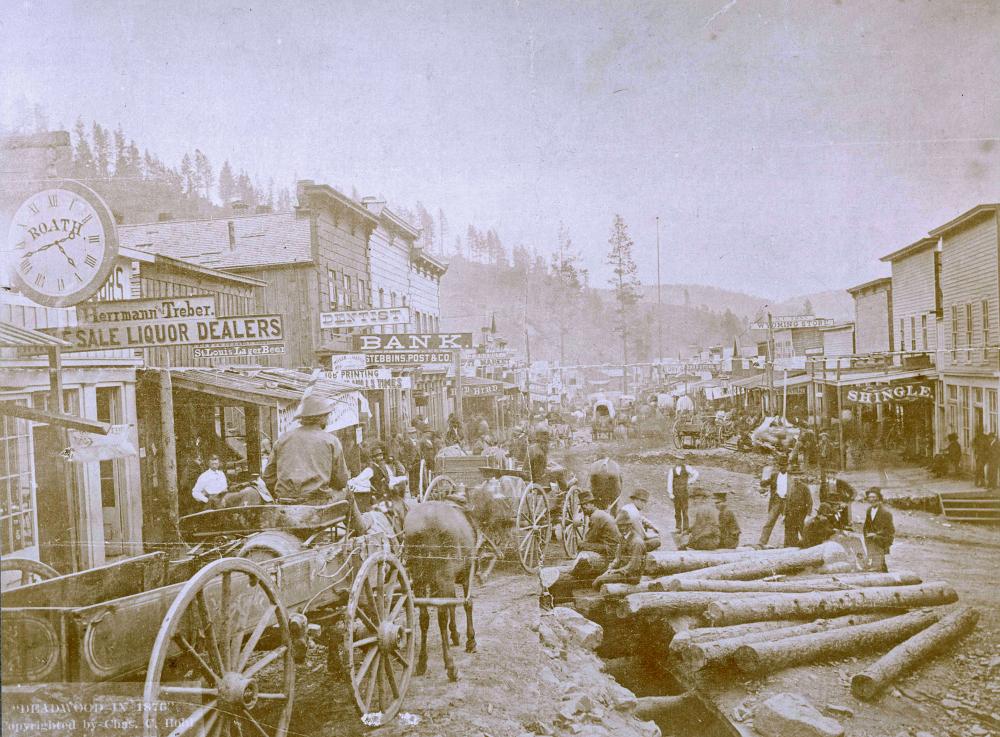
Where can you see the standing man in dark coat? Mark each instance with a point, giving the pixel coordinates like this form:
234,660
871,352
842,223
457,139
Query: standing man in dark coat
879,530
776,487
729,527
798,505
981,454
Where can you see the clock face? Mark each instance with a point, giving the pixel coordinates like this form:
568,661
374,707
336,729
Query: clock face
63,244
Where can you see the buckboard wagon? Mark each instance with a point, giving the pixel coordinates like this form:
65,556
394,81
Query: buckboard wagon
217,639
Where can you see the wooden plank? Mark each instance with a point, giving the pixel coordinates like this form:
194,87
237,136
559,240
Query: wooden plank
59,419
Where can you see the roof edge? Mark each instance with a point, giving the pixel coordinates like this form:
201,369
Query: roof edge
965,218
309,187
915,247
869,285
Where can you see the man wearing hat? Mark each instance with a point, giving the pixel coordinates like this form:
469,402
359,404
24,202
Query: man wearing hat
729,528
679,477
798,505
631,557
636,505
704,532
602,532
308,465
879,530
777,488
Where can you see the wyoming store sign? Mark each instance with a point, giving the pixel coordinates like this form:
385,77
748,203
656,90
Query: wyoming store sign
158,333
884,395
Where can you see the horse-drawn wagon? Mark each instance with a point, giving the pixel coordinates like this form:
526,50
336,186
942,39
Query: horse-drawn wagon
603,423
213,636
695,431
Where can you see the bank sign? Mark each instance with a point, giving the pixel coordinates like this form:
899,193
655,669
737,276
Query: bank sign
365,318
160,334
413,342
875,395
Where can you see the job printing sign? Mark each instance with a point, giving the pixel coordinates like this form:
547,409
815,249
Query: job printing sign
379,378
414,342
365,318
143,334
138,310
898,393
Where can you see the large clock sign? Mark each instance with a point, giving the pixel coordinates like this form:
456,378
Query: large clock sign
63,244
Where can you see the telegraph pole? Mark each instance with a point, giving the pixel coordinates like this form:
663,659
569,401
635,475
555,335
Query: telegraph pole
770,363
659,301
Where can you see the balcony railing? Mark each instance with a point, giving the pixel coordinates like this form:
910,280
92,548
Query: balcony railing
977,357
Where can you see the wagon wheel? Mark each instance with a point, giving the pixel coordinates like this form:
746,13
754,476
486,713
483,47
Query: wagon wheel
533,527
573,522
675,434
224,651
31,571
440,487
381,637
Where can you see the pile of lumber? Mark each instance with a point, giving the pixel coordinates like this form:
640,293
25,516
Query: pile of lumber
757,611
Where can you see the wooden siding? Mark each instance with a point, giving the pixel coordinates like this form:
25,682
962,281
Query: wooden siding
425,291
231,298
913,297
390,270
969,275
873,321
838,342
341,241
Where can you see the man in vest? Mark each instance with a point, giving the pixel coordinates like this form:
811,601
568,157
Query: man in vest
798,505
602,533
878,529
631,558
679,479
777,487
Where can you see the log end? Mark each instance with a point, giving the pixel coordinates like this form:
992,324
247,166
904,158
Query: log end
864,687
549,576
671,584
746,659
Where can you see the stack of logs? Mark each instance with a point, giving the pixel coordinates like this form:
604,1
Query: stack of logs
758,611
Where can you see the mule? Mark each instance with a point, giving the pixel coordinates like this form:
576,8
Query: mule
440,544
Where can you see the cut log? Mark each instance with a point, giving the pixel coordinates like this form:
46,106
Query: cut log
914,652
662,708
618,590
737,608
590,604
708,634
669,603
831,583
792,559
766,657
666,562
580,571
895,578
698,655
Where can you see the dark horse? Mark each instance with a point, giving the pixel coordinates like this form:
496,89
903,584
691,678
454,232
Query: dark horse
440,545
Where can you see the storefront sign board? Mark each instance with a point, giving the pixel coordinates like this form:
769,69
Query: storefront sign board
157,334
365,318
896,393
377,378
146,310
482,390
784,322
407,358
414,342
239,351
86,447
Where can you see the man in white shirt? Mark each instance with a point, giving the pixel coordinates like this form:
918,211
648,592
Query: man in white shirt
211,482
778,486
679,478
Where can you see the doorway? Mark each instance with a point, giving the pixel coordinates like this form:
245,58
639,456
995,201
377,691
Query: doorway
109,409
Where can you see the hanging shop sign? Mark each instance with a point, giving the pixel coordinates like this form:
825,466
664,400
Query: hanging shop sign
377,378
885,394
407,358
482,390
158,334
239,351
347,361
784,322
414,342
145,310
87,447
365,318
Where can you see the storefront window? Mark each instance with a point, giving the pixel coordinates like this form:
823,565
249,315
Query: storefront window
913,333
991,405
17,504
986,322
923,329
968,324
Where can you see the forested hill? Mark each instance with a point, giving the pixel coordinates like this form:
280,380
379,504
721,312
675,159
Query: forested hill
693,315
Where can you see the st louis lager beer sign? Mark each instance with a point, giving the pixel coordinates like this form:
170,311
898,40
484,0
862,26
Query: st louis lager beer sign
885,394
158,333
414,342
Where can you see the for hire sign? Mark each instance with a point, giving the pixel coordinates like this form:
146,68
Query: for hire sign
897,393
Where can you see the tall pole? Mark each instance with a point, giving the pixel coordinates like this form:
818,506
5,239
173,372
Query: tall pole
770,364
659,301
457,357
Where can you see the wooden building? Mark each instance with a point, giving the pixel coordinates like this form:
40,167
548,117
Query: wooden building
873,332
916,295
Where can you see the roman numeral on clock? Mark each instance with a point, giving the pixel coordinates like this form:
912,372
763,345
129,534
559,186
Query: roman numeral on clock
25,266
40,280
93,239
90,261
62,285
86,220
33,208
53,200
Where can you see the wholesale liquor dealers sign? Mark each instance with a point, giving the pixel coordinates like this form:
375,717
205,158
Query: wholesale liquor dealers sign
897,393
159,333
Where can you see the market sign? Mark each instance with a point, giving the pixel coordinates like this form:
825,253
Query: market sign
240,351
138,310
159,334
899,393
377,378
347,361
87,447
785,322
365,318
407,358
414,342
481,390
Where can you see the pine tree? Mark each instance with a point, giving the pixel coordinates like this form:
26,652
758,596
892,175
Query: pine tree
425,221
102,152
189,176
807,307
284,200
205,179
121,154
83,157
624,281
227,183
443,231
565,288
135,168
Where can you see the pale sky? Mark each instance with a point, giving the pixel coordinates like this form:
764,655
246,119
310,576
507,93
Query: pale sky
784,145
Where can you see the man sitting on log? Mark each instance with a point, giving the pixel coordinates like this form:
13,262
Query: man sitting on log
631,557
636,506
879,530
821,526
602,534
704,532
729,528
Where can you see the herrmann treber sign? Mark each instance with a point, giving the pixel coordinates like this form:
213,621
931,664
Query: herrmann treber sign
138,310
157,334
365,318
414,342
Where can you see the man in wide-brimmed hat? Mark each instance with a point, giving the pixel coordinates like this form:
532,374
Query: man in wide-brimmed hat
602,532
631,558
729,527
636,505
704,532
308,465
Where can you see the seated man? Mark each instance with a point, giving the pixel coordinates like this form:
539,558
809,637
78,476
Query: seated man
636,506
602,534
704,532
631,557
212,482
729,528
821,526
